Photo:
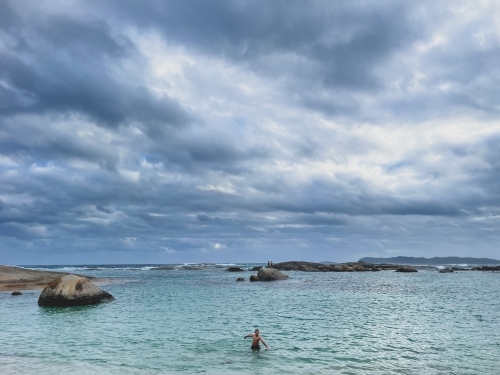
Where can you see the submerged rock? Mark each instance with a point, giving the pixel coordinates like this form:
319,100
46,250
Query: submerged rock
72,290
406,269
271,274
234,269
163,268
240,279
446,270
16,293
254,278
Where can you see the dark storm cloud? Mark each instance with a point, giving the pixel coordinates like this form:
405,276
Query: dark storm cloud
71,73
344,42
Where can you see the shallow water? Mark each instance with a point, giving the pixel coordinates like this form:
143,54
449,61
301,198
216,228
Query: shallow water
187,322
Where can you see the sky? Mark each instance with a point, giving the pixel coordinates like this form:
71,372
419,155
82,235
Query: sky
247,131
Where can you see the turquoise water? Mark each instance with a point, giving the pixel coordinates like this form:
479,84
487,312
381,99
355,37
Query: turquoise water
190,322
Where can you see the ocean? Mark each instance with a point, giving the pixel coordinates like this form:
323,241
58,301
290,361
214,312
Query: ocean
193,322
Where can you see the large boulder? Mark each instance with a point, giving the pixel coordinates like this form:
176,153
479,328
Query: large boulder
72,290
254,278
271,274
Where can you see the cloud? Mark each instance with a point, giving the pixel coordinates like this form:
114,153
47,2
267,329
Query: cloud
312,130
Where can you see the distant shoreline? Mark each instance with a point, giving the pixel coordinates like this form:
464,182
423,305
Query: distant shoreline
436,261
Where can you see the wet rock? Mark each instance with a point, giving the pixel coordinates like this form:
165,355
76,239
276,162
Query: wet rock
256,268
271,274
234,269
72,290
446,270
240,279
375,269
406,269
490,268
254,278
163,268
16,293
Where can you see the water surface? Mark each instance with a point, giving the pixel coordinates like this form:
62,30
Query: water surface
190,322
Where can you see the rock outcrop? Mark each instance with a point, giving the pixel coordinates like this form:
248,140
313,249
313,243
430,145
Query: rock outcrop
254,278
72,290
16,293
271,274
240,279
330,267
487,268
16,278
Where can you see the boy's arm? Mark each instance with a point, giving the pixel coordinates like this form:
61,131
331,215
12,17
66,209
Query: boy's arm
261,339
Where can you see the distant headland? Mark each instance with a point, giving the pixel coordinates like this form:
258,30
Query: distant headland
436,261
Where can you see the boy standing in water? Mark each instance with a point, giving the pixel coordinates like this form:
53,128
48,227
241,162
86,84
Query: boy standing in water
255,340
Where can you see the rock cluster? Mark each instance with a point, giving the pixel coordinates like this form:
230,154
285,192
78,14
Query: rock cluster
341,267
72,290
487,268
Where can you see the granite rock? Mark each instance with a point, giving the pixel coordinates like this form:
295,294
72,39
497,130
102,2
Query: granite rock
271,274
72,290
